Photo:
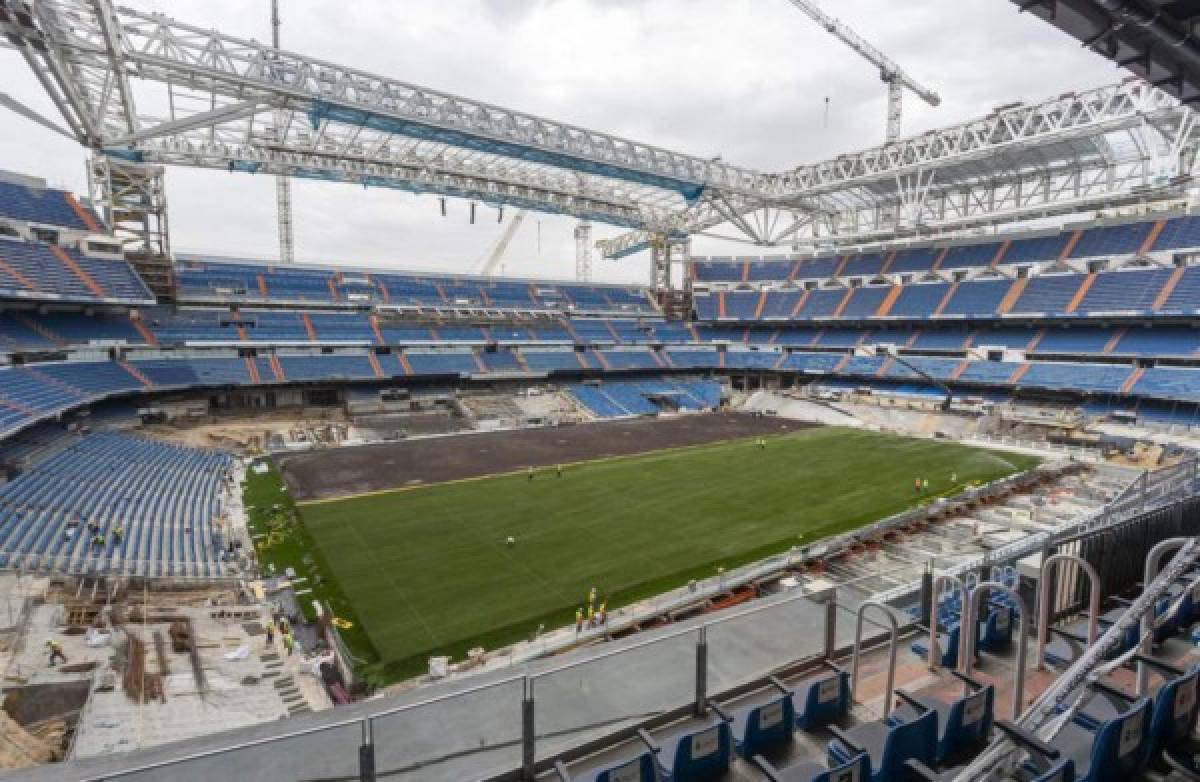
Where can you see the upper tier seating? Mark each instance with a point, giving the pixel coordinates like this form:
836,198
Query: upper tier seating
1100,241
1129,291
45,206
31,270
207,281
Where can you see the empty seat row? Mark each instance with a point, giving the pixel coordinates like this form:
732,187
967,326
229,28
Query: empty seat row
205,280
116,504
1131,291
1101,241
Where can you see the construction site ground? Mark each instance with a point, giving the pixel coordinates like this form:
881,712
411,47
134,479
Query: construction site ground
348,471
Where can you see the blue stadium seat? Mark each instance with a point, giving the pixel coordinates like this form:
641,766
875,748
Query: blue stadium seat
822,700
641,768
689,754
762,727
888,744
854,770
964,724
1116,750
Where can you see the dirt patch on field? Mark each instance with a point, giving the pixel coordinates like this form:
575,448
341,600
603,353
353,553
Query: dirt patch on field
344,471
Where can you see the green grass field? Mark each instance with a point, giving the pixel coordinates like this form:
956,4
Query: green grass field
426,570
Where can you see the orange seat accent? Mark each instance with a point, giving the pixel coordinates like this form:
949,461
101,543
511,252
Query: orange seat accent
78,271
1088,281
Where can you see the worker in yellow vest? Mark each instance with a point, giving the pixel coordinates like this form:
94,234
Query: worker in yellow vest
56,651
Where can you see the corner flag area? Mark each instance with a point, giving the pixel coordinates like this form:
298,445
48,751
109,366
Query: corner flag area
430,570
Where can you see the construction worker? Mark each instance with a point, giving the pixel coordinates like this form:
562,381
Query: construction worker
762,444
270,634
97,540
56,652
530,473
578,621
558,470
925,485
602,612
954,477
591,615
118,533
289,643
917,485
591,597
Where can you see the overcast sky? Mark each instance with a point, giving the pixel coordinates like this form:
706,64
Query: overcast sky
744,79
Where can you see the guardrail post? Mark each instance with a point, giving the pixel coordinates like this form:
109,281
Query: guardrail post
528,737
366,753
927,594
830,627
701,672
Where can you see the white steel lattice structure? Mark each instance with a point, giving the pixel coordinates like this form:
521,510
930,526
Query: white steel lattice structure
148,89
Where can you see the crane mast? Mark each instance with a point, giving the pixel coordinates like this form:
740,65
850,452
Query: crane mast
889,72
510,230
283,185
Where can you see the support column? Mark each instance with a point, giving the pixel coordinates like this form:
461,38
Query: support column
366,754
528,735
664,253
132,198
701,673
583,251
831,626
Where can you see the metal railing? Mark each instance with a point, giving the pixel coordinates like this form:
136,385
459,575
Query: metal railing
1050,710
524,721
1150,490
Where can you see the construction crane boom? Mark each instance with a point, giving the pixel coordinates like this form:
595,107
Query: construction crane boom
510,230
889,72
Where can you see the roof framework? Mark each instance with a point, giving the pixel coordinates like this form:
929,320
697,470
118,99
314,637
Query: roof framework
147,88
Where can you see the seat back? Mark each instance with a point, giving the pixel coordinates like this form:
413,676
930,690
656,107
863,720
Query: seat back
969,720
915,740
1062,770
857,769
997,628
768,725
827,700
704,754
1122,745
1175,708
640,769
950,647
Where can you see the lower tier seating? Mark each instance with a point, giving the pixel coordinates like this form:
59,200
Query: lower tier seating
111,503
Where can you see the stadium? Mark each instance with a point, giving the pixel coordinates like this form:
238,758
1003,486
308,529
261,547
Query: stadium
882,467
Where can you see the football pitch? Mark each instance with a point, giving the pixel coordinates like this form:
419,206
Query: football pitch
428,569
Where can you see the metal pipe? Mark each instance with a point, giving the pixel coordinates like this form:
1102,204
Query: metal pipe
971,611
934,658
891,678
1153,565
1044,602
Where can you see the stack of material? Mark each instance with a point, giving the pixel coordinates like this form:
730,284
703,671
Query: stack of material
181,636
138,684
20,748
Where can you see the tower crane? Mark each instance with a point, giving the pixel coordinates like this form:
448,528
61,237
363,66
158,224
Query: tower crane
283,185
889,72
510,230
